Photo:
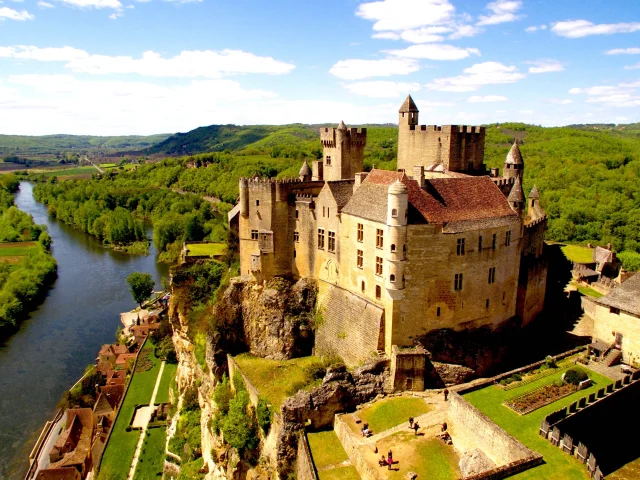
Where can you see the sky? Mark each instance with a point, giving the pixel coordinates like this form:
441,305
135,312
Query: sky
118,67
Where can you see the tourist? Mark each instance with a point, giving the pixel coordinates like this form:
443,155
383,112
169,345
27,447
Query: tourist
383,461
444,427
446,394
389,462
410,422
365,431
390,454
416,427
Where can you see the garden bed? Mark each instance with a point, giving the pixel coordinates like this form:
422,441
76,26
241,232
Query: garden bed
540,397
536,374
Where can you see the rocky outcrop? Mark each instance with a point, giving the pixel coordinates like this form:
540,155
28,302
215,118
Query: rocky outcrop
452,374
340,391
273,320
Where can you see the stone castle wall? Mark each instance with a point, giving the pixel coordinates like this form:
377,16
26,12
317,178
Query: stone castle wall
351,447
305,469
607,323
532,288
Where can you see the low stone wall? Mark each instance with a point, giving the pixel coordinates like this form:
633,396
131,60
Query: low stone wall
588,306
234,369
305,467
471,429
351,447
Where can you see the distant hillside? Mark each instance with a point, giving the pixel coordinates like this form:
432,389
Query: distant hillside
24,145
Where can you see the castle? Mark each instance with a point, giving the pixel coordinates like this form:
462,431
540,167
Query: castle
439,243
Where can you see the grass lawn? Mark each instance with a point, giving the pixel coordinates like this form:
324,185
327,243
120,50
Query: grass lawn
576,253
151,459
429,457
341,473
274,378
122,444
16,249
590,292
168,374
326,449
558,465
390,412
211,249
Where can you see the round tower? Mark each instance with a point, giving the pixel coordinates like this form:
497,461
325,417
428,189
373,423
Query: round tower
244,197
397,212
513,164
516,197
305,172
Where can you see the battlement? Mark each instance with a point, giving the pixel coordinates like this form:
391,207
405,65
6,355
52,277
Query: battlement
356,136
533,223
449,129
502,181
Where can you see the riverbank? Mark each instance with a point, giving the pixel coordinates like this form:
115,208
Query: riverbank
50,350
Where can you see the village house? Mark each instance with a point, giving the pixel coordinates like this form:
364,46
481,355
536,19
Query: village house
72,448
67,473
440,243
104,411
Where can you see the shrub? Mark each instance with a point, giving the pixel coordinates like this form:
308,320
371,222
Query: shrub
517,377
190,401
222,394
550,362
239,426
575,376
264,414
238,383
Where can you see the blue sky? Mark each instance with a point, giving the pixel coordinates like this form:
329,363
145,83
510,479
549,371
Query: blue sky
111,67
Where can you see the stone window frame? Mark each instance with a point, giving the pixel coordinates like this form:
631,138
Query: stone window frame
362,286
507,238
492,275
494,241
457,282
379,238
297,214
378,292
487,304
460,246
360,232
257,203
437,311
331,246
296,237
379,266
327,160
393,248
254,235
394,212
321,239
392,278
360,259
479,243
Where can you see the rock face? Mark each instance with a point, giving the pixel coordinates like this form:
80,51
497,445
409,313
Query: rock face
452,374
274,320
340,391
474,463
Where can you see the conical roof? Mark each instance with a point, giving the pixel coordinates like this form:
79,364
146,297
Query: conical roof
342,126
516,194
304,170
514,156
398,188
408,105
534,193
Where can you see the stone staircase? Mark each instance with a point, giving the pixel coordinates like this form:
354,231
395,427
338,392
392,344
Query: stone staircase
612,357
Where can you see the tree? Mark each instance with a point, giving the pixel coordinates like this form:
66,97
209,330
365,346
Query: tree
141,286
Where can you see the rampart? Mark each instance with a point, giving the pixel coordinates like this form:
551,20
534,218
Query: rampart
305,468
351,447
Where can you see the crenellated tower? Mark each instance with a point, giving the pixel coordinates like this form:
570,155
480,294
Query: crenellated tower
397,213
343,153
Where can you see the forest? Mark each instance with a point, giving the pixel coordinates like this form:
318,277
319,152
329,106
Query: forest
587,178
26,267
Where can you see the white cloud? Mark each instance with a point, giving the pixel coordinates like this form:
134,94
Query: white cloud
435,52
93,3
545,66
535,28
386,36
502,11
623,51
621,95
188,63
583,28
560,101
474,77
465,31
50,54
632,67
526,112
424,35
487,99
406,14
353,69
11,14
382,89
116,15
45,5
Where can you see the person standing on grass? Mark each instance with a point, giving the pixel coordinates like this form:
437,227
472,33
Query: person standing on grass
410,422
416,427
389,462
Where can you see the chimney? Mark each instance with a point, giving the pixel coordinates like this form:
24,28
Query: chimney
418,174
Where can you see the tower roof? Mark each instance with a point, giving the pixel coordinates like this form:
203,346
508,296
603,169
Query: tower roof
534,193
408,105
342,126
516,194
514,156
304,170
398,188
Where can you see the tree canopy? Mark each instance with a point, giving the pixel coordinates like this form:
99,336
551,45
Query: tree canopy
140,285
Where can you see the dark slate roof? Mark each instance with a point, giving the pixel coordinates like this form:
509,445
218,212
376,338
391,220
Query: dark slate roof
408,105
68,473
626,297
514,156
341,191
516,194
444,200
534,193
304,170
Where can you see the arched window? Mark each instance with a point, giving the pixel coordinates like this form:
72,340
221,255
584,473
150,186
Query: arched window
393,247
392,277
394,212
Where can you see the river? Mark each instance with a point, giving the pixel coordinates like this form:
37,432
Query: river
53,347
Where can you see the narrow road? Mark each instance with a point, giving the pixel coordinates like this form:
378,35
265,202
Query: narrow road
143,431
89,160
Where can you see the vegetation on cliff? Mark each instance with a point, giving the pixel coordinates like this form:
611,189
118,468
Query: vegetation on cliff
27,269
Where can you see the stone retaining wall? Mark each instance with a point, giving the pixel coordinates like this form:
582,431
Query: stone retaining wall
234,368
351,447
305,467
471,429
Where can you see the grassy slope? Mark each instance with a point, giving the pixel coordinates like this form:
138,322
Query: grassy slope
558,465
151,459
51,144
122,444
168,374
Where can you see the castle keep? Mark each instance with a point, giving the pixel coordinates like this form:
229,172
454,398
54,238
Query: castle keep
440,243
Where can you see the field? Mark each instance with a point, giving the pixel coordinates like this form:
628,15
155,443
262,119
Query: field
151,459
210,249
390,412
122,444
11,252
578,254
327,451
558,465
274,378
